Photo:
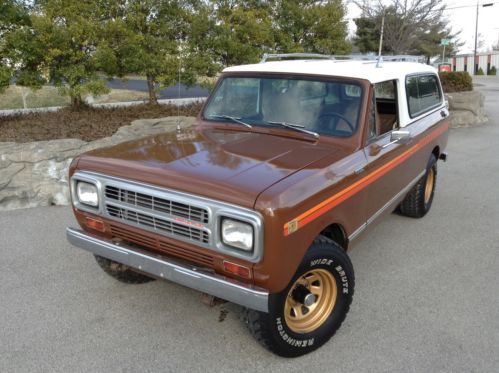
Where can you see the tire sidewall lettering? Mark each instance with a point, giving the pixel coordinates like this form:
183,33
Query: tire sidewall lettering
330,264
295,342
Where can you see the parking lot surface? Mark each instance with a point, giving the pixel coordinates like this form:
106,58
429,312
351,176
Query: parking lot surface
426,296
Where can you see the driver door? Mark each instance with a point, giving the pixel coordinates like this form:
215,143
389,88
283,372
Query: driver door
386,159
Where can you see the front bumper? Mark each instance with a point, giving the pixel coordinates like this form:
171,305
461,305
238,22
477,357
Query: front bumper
170,269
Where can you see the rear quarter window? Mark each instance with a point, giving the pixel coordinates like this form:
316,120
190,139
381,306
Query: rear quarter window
423,93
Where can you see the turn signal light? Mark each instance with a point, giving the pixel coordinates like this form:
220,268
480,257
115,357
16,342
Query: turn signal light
237,269
98,225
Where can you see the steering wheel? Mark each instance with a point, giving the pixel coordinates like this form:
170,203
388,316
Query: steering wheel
323,121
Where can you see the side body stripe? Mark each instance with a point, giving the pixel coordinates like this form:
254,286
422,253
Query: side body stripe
333,201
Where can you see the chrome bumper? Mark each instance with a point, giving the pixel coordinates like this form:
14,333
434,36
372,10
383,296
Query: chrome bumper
175,271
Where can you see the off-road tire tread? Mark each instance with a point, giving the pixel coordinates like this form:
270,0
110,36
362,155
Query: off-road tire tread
255,319
122,274
413,204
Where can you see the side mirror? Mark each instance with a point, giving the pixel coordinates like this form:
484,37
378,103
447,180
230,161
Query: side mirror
400,136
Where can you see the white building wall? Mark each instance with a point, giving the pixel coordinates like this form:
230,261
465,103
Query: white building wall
495,61
470,65
482,63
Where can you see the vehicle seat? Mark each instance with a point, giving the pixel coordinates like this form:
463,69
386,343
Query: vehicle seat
385,122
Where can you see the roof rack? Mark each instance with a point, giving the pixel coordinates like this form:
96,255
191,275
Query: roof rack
268,56
358,57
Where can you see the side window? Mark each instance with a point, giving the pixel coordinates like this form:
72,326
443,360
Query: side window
386,105
385,90
412,91
429,92
423,94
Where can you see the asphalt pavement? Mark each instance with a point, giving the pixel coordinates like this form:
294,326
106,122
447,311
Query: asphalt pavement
426,296
165,93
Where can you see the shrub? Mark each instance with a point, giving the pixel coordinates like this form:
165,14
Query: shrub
480,72
492,71
456,81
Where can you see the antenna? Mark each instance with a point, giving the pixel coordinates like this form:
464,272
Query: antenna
380,59
178,97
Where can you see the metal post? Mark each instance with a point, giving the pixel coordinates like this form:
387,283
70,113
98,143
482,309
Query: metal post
443,55
378,64
381,36
476,40
475,64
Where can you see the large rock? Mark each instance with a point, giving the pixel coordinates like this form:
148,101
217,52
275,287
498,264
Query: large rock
466,109
36,174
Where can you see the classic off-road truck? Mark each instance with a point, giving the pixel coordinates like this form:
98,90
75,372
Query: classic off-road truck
258,203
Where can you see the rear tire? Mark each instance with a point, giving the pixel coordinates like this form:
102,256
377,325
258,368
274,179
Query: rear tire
121,272
293,328
418,202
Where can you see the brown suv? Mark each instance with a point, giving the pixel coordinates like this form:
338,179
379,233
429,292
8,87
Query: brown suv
258,203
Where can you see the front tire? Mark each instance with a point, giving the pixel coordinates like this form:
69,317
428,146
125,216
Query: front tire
121,272
418,202
308,312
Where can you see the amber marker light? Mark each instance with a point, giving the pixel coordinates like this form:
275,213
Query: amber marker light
96,224
237,269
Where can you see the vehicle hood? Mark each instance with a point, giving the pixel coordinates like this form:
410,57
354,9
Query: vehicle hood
226,165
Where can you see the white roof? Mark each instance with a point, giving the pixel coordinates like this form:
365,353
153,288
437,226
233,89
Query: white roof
343,68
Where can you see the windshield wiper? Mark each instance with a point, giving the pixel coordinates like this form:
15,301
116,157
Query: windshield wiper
234,119
296,127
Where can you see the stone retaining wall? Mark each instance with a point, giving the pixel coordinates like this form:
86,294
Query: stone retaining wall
36,174
466,109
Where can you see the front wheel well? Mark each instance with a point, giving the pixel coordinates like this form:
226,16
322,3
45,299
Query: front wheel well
336,233
436,152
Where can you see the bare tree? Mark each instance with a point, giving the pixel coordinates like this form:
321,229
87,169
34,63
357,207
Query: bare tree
406,21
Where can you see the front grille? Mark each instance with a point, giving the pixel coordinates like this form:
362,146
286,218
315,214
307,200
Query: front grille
157,204
161,246
157,224
191,221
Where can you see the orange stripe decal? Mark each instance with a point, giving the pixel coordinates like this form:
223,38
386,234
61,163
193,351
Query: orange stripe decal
333,201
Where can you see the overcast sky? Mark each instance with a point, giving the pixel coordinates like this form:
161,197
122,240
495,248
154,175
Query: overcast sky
462,19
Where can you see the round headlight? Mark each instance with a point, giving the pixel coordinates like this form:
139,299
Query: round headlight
87,193
237,234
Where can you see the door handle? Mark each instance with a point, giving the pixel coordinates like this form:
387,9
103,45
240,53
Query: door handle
389,143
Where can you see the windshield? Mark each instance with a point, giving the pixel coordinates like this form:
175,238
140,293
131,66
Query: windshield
324,107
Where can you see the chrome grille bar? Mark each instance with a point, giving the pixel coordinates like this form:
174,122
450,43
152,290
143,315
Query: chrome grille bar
158,224
173,208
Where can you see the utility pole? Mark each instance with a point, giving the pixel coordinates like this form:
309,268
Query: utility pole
476,40
475,65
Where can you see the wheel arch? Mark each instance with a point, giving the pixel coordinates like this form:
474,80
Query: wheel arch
337,233
436,152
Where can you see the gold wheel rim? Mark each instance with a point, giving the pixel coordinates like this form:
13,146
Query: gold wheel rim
429,185
305,319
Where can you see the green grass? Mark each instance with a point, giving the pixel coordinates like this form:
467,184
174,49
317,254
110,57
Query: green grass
12,97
